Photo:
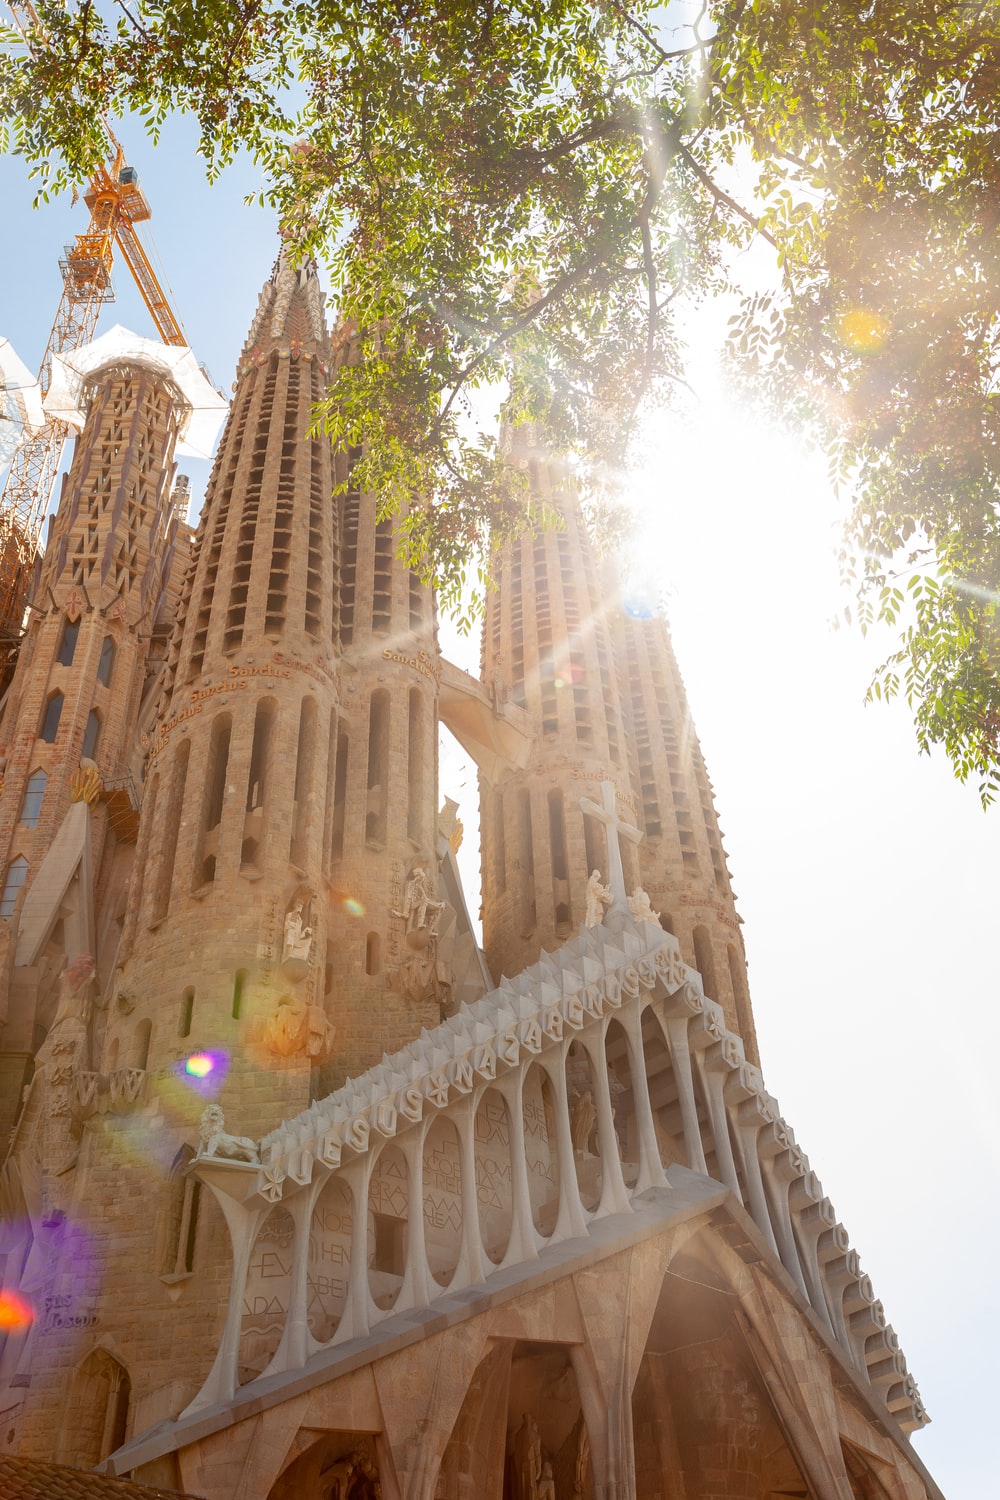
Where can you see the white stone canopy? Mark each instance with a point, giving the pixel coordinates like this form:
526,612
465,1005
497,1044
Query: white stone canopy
71,370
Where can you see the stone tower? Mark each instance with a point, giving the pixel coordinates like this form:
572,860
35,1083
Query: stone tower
682,862
227,918
101,604
548,647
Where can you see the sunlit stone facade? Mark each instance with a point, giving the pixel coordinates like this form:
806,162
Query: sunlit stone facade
307,1196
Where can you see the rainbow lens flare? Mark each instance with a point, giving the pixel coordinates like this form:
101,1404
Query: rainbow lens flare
199,1064
353,907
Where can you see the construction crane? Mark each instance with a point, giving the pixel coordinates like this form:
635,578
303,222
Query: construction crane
116,204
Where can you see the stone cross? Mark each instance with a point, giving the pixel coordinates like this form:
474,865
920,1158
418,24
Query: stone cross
607,813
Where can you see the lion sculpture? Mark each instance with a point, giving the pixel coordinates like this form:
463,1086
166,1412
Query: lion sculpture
216,1140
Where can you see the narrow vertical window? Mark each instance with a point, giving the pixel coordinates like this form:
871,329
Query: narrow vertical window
67,646
257,780
560,862
530,914
140,1051
378,768
182,1223
187,1013
214,799
238,986
339,798
50,721
91,735
705,961
415,767
305,762
17,874
499,845
372,963
106,664
174,801
32,804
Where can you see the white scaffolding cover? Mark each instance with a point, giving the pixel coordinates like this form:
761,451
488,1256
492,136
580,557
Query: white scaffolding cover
70,370
20,401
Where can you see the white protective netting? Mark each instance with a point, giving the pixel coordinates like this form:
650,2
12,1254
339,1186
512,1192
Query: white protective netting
20,402
206,408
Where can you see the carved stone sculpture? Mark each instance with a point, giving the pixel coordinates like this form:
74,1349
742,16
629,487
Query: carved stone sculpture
639,906
216,1140
298,936
598,900
420,912
293,1026
61,1057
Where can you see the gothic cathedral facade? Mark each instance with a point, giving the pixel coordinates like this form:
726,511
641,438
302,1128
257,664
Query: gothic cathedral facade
308,1194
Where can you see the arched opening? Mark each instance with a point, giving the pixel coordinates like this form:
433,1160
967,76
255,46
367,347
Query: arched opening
95,1417
493,1174
32,804
388,1229
538,1103
583,1125
547,1446
329,1259
51,717
442,1199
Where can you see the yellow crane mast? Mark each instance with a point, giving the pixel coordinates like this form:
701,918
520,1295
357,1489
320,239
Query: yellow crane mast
116,204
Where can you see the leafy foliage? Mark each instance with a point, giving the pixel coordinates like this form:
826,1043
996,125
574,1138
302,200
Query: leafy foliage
518,195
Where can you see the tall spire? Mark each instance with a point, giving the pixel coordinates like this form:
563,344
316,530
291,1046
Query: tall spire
235,827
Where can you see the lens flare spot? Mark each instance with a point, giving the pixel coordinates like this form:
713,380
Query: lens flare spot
862,330
15,1313
200,1064
353,907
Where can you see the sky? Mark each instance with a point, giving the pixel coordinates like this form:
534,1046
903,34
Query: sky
866,876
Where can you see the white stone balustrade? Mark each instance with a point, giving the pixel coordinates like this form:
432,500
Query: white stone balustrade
477,1127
